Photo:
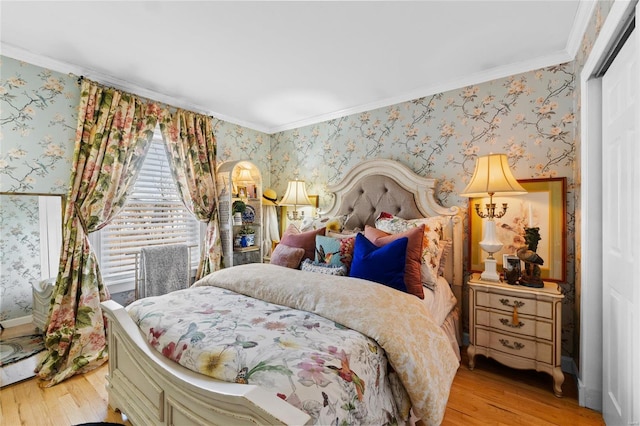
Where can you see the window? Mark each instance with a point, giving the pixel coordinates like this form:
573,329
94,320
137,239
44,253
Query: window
153,215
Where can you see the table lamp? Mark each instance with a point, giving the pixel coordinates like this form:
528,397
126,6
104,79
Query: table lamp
295,195
492,177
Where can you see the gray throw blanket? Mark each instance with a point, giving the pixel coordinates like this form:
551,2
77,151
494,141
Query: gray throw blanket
163,269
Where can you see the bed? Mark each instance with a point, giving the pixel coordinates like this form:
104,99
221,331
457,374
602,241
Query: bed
152,388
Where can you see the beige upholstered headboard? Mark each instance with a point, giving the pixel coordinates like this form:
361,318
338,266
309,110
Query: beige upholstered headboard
376,186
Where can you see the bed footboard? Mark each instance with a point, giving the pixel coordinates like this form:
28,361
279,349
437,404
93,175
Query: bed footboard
152,390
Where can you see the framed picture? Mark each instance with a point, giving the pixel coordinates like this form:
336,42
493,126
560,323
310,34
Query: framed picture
242,192
544,207
308,211
511,268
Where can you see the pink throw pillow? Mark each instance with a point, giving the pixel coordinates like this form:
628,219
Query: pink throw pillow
306,240
289,257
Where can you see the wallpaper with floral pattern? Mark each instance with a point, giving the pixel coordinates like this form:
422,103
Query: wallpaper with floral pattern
19,254
532,117
38,116
38,119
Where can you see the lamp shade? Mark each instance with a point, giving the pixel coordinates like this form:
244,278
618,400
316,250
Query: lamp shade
492,176
244,176
296,194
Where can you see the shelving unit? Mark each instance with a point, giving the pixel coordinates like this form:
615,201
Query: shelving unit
240,181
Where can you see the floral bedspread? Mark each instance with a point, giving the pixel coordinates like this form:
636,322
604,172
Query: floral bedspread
302,334
334,374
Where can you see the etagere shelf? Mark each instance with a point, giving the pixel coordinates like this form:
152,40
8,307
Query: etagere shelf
240,182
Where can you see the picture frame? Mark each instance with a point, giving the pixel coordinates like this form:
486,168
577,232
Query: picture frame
308,211
544,206
242,192
511,268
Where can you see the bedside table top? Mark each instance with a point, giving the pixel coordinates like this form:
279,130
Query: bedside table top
550,288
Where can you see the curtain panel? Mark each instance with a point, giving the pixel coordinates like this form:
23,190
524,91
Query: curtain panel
191,148
112,137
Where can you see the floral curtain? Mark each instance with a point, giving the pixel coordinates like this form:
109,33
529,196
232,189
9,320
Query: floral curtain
191,147
112,138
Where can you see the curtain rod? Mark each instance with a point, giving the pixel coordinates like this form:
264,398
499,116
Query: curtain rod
146,98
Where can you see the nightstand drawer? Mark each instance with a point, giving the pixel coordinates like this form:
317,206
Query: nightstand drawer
517,346
525,326
539,308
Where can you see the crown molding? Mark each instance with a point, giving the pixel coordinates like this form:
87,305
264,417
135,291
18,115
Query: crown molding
579,27
457,83
464,81
43,61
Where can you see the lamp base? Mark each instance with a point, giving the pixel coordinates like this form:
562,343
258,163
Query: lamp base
490,271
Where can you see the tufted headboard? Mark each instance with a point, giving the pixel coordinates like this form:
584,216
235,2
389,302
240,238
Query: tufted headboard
375,186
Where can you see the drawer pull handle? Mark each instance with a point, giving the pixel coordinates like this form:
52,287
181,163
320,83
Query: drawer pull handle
517,304
516,345
508,323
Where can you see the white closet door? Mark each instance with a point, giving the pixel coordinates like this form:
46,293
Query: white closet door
621,236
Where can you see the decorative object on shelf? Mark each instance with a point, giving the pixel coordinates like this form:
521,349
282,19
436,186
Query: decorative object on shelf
511,268
247,236
244,181
244,177
249,214
492,176
531,276
296,195
238,208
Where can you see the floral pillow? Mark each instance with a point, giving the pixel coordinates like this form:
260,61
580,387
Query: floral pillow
430,245
445,252
309,266
335,224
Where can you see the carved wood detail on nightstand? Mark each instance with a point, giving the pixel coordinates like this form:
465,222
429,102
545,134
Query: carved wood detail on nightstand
517,326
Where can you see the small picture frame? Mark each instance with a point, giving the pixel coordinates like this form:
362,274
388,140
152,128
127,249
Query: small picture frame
512,268
251,191
242,192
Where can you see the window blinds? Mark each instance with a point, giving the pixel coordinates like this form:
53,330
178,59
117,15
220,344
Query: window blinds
153,215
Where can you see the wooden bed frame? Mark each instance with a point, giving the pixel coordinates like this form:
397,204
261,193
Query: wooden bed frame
153,390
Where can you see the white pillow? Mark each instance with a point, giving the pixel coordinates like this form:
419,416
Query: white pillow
439,300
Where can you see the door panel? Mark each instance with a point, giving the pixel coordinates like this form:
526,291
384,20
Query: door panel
621,235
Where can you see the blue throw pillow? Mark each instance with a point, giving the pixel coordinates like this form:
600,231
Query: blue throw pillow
384,265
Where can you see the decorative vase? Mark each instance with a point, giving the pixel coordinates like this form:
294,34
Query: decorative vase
237,218
247,240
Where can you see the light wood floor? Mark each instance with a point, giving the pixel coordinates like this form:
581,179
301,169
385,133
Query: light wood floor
491,394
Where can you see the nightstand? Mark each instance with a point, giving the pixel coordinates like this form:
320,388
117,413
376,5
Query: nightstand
517,326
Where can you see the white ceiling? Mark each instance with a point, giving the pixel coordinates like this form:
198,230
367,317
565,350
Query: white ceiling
273,66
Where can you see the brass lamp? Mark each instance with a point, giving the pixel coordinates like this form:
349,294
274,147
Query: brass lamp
492,176
295,195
